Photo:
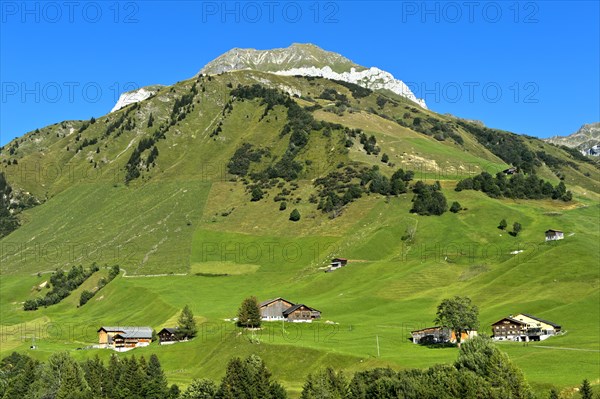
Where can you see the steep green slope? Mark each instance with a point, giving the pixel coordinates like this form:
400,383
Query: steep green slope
183,212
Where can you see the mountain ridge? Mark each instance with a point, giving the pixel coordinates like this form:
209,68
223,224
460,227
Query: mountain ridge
309,60
586,139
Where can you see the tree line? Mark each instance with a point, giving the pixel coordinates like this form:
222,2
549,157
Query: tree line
517,186
480,371
61,286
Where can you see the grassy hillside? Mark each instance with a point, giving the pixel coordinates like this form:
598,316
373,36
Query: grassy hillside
186,232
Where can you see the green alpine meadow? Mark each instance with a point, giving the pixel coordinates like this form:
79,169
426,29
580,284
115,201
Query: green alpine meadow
259,231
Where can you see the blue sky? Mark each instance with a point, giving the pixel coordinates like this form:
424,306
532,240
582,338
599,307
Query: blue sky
527,67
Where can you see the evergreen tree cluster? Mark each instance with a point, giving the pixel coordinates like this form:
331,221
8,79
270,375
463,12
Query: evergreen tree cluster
509,147
135,160
369,144
62,284
239,164
123,122
481,371
339,188
574,153
429,199
183,105
86,143
181,108
356,90
61,377
517,186
430,126
299,125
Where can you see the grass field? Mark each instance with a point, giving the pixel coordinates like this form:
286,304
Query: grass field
389,288
186,232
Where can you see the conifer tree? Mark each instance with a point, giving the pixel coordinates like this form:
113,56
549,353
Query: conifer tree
249,313
585,390
186,326
156,382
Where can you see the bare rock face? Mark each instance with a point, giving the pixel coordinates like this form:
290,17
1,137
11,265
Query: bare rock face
586,139
309,60
135,96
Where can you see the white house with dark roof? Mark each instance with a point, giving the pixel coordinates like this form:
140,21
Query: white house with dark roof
524,327
553,235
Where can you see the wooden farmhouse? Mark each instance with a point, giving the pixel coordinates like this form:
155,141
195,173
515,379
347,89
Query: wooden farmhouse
510,171
438,335
301,312
337,263
282,309
124,338
167,336
553,235
523,327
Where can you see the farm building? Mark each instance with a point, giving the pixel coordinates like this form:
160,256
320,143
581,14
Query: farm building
438,335
553,235
273,308
510,171
337,263
124,338
508,329
301,313
167,335
282,309
523,327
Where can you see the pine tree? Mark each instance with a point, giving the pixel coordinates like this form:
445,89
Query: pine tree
249,313
20,386
553,394
131,384
62,376
114,372
150,120
175,392
156,382
186,326
585,390
96,376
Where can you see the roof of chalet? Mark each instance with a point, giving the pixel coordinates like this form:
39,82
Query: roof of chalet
426,329
134,332
127,329
265,303
170,330
552,231
511,319
542,320
296,307
341,259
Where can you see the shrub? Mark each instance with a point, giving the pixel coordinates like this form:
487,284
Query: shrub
295,215
455,207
